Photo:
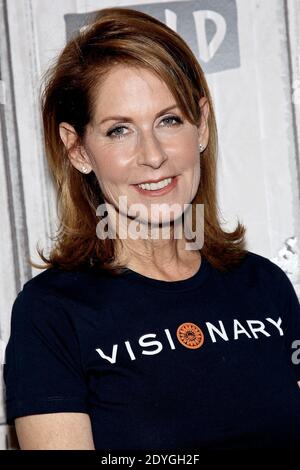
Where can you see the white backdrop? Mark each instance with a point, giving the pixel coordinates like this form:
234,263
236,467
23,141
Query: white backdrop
250,51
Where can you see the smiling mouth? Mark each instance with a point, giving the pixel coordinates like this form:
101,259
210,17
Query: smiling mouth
157,185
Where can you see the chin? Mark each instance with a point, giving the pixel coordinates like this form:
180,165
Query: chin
166,220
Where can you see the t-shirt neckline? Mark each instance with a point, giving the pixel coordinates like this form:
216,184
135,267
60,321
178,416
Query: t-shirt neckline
184,284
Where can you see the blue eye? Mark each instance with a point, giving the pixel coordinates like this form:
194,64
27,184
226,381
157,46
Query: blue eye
173,118
112,132
115,135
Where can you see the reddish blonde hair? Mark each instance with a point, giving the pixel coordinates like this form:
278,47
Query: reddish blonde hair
129,37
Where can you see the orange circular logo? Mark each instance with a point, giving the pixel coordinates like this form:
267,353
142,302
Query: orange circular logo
190,335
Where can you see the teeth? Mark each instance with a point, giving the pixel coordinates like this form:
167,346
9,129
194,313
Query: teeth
152,186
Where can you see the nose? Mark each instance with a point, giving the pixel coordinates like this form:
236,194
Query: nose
150,152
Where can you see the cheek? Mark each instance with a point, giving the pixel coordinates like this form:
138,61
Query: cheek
111,169
192,171
190,165
187,155
196,177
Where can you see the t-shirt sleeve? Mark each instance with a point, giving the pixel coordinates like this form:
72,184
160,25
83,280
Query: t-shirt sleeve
43,372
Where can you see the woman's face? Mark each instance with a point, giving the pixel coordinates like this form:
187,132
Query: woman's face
138,136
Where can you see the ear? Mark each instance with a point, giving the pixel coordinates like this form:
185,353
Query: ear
76,153
203,128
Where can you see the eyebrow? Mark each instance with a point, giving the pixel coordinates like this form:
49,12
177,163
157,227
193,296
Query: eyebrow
129,119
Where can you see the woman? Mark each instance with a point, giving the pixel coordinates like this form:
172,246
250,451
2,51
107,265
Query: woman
142,342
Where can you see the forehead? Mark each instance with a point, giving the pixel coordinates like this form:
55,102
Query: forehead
131,86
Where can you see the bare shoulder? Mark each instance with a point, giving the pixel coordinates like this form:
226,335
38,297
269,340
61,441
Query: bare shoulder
55,431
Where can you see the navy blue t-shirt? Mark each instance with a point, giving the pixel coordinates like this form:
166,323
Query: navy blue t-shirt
205,362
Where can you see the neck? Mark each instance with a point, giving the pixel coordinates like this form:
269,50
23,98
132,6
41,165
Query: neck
160,258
